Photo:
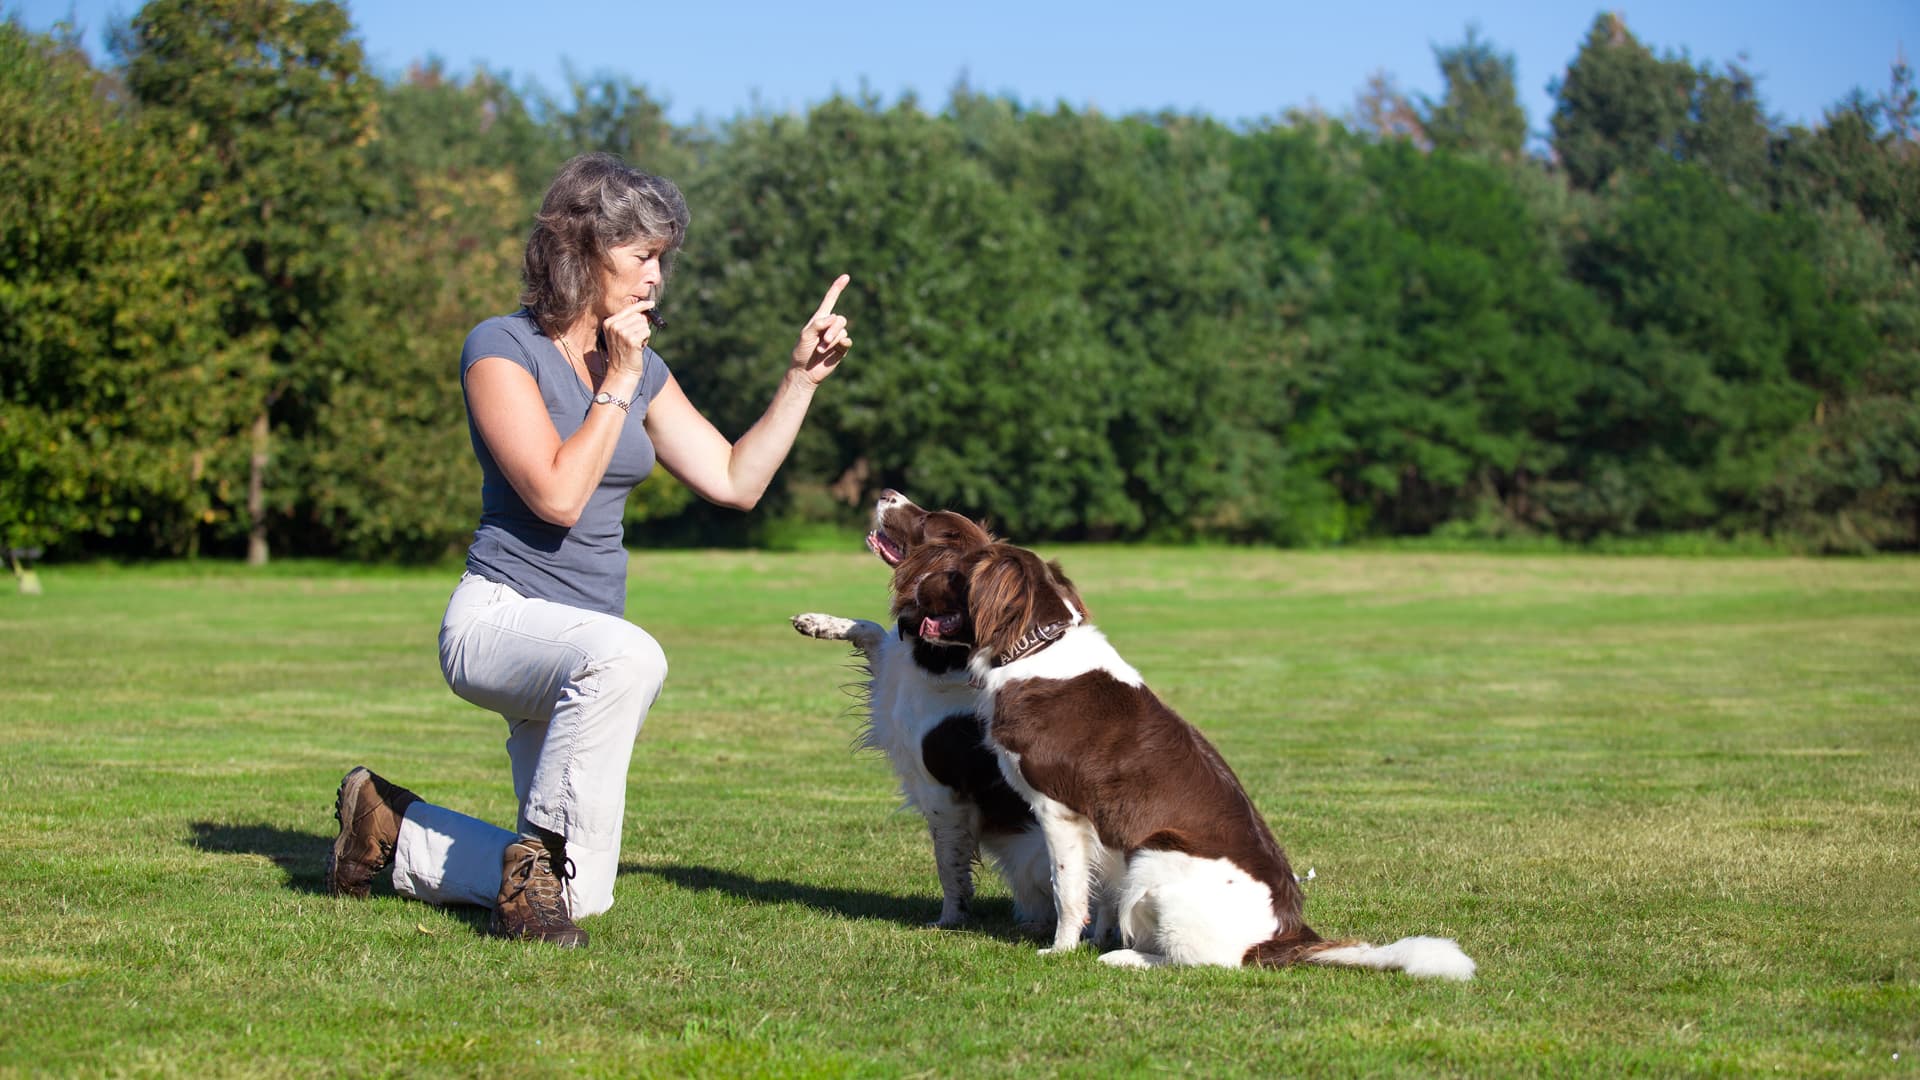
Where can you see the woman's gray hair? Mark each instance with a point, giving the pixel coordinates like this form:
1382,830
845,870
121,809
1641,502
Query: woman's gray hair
595,204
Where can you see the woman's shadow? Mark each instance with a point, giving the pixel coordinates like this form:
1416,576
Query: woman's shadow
302,858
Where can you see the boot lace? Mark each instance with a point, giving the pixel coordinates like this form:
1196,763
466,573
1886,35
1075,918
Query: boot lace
541,878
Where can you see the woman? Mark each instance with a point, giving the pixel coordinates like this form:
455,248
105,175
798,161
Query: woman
568,409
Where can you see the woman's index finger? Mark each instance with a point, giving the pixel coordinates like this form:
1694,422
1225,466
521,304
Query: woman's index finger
833,296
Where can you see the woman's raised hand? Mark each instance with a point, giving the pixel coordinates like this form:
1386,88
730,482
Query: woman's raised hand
626,332
823,340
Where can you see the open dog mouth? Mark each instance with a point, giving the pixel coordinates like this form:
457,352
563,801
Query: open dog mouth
937,627
882,545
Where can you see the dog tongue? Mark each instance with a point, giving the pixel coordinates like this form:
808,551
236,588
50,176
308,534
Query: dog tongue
933,627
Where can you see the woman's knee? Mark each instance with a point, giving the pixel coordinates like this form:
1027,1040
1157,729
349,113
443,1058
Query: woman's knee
635,663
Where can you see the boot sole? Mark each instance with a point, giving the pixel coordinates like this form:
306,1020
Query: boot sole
346,804
575,940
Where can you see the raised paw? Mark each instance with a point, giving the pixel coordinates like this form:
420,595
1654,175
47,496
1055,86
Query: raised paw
829,627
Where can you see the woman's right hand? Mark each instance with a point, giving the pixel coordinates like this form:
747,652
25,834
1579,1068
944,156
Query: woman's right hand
626,332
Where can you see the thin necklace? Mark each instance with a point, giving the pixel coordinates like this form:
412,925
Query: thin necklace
576,358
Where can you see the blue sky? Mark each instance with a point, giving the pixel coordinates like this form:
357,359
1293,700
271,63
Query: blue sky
1232,60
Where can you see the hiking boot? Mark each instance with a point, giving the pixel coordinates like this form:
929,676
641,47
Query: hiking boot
369,810
533,894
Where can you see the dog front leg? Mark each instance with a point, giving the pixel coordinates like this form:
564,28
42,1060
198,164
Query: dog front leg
954,849
1070,843
864,634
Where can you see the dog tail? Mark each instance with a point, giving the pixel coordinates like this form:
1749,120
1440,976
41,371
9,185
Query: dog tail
1421,957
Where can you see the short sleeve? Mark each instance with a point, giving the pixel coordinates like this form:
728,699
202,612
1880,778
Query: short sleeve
653,376
493,338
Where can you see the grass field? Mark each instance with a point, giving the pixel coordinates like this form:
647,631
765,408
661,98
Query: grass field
1671,807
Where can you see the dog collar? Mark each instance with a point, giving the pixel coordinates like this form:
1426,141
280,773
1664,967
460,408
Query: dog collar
1033,641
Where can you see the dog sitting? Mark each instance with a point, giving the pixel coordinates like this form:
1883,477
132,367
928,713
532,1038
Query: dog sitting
920,714
1133,800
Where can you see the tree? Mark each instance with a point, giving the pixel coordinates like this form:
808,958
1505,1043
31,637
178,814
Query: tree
1726,132
1169,271
1381,109
111,357
1618,106
275,96
973,383
1481,111
1444,399
1732,338
609,113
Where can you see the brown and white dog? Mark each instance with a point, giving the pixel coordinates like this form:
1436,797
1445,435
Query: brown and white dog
1137,806
920,714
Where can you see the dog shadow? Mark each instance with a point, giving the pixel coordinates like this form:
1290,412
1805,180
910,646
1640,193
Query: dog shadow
992,916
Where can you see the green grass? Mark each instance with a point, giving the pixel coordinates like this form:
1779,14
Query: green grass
1671,807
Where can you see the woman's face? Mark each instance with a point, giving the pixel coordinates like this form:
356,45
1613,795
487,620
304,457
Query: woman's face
633,275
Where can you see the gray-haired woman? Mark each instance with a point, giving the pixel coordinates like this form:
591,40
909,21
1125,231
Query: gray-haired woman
568,409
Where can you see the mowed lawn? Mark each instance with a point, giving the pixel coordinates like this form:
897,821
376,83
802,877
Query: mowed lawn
1670,805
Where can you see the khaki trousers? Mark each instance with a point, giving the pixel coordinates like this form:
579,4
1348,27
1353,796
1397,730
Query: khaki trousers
574,687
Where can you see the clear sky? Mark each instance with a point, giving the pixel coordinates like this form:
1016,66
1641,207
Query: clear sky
711,59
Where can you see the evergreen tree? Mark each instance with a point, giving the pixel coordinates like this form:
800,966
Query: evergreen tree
1481,111
1618,106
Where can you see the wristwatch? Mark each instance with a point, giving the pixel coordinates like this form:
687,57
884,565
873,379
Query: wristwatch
604,398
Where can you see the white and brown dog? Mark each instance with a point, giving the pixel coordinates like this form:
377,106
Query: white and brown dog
920,714
1135,803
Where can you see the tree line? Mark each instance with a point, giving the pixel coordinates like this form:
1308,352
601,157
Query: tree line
238,267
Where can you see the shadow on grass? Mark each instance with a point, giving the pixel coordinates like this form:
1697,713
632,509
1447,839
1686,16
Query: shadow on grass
992,916
302,856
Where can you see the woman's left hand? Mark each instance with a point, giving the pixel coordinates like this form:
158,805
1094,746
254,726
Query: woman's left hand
824,340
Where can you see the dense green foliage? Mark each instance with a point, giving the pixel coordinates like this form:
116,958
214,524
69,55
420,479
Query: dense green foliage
237,267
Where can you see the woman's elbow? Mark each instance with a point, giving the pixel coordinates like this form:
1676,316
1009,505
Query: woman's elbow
566,517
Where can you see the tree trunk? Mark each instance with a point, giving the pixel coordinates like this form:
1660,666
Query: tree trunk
257,494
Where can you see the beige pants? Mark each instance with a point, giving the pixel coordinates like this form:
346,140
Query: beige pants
574,687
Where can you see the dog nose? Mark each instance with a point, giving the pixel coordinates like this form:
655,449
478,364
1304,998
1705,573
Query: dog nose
890,496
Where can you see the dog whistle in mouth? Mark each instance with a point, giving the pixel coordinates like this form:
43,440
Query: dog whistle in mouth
658,320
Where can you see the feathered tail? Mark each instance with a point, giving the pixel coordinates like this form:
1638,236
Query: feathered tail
1421,957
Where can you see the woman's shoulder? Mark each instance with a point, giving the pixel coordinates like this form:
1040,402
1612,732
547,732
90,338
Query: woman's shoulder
511,336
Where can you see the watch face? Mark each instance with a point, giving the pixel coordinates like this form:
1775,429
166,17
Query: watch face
602,398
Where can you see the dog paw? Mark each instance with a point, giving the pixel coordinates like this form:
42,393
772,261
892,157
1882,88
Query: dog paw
1127,958
829,627
948,922
1058,950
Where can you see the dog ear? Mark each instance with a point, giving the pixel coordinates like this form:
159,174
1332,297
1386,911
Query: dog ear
1067,590
1000,598
947,527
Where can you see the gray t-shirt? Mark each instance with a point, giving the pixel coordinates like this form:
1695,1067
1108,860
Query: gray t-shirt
585,566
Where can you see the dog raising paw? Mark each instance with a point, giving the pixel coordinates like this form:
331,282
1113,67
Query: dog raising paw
864,634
